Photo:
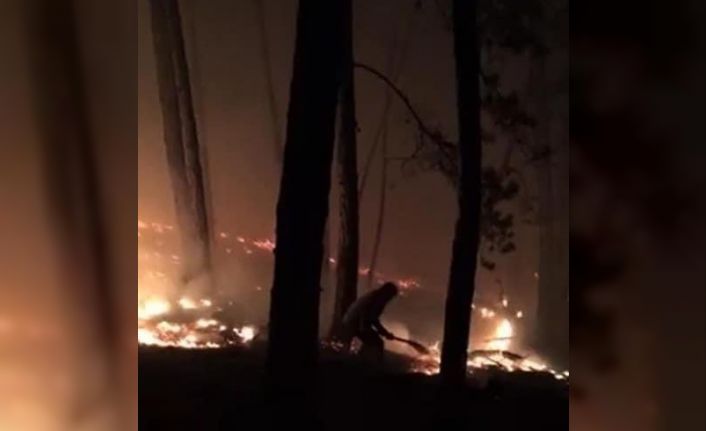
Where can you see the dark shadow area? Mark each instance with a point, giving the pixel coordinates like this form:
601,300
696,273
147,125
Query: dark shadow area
222,390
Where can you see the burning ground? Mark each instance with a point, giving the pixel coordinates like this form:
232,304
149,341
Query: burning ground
177,315
201,356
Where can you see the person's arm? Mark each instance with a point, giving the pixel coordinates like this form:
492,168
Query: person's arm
380,329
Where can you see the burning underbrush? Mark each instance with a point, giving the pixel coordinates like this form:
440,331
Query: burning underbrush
172,313
185,319
183,324
480,361
492,354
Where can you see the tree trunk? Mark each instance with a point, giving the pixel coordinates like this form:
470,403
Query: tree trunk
349,231
381,213
553,193
302,208
199,93
181,139
269,80
467,237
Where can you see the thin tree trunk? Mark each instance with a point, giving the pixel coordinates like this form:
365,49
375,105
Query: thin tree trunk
394,69
269,80
181,138
327,284
303,206
381,214
349,230
467,237
200,113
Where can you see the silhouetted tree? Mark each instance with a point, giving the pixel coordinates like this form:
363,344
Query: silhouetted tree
533,122
435,152
467,236
302,208
181,138
349,230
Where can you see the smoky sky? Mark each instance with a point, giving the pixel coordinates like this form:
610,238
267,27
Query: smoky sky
230,92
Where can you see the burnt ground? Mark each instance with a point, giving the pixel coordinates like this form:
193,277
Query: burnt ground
222,390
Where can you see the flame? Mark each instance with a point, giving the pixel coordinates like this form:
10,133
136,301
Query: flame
166,320
153,307
502,337
495,357
207,323
205,332
246,333
155,328
187,304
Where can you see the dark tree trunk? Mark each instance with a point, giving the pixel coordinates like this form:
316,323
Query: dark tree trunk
349,231
200,96
467,237
303,202
181,139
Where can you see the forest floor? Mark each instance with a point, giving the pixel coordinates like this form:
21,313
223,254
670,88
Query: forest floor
204,390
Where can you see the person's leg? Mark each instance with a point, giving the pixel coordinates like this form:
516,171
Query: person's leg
372,346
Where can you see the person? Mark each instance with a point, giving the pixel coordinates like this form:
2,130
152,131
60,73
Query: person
362,320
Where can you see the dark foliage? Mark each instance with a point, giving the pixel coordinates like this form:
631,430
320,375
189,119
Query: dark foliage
517,29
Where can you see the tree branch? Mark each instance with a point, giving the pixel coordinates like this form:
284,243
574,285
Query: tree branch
426,130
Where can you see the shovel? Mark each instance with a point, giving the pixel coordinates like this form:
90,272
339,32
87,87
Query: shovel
418,347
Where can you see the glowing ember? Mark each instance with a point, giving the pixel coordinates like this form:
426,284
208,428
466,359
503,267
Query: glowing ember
265,244
486,313
207,323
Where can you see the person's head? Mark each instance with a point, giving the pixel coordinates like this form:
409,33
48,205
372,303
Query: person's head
390,290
